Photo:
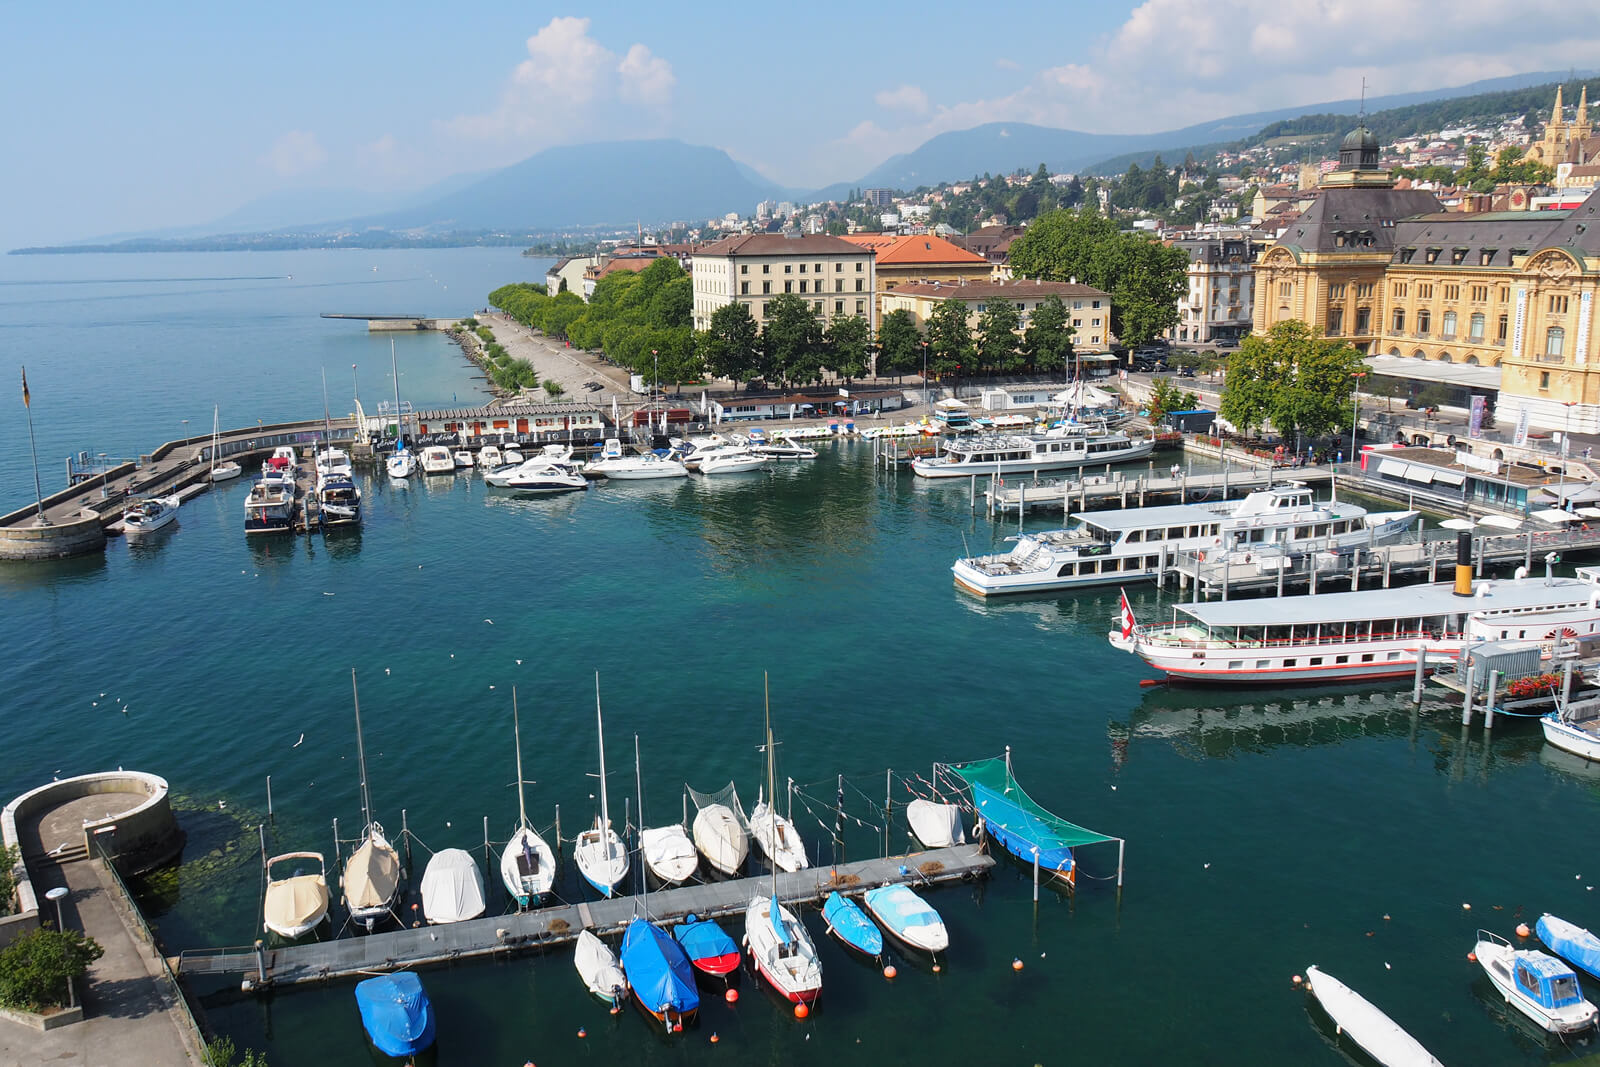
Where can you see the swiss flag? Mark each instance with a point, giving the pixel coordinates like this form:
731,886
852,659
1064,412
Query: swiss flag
1127,616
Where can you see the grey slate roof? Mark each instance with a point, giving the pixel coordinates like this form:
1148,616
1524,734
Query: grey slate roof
1579,232
1484,239
1363,218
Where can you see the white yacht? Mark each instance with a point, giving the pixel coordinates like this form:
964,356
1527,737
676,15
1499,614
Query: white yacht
1059,449
145,517
511,455
730,459
1112,547
489,458
537,476
783,448
269,507
333,460
637,468
338,499
436,459
463,460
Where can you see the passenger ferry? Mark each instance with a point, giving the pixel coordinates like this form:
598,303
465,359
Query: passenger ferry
1344,637
1060,449
1127,545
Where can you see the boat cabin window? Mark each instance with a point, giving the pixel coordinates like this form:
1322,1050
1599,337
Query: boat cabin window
1174,533
1302,532
1526,981
1322,529
1134,537
1564,990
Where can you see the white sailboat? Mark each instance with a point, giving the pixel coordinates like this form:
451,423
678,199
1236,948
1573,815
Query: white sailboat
527,866
220,472
777,836
372,874
783,951
402,464
720,838
601,857
666,850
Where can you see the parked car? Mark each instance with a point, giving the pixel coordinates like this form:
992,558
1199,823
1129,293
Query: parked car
1186,372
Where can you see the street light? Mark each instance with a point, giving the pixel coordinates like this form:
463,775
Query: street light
926,396
1355,413
1565,434
57,895
355,392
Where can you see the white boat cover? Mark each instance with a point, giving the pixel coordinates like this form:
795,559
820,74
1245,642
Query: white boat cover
597,966
452,887
1378,1035
372,875
778,838
668,852
718,835
295,904
936,825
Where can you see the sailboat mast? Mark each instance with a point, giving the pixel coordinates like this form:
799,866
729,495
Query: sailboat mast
772,802
516,726
399,427
216,415
638,785
600,728
361,754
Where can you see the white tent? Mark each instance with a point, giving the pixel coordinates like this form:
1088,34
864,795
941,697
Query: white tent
1500,522
1554,515
1457,524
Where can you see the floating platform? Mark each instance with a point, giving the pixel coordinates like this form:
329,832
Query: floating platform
1113,490
539,928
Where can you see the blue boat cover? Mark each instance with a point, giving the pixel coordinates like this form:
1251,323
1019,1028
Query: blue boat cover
703,939
1556,984
900,908
658,970
775,916
396,1013
1019,822
1570,942
851,925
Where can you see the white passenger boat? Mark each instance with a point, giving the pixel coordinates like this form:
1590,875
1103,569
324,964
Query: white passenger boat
338,499
452,887
1059,449
145,517
295,902
1337,637
777,837
731,459
1377,1035
1536,984
1117,547
436,459
489,458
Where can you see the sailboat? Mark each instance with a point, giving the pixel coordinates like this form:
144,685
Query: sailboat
402,464
372,874
666,850
602,859
780,946
527,866
777,836
220,472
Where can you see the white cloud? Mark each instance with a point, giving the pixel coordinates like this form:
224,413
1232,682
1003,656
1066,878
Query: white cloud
1006,63
907,98
296,152
645,77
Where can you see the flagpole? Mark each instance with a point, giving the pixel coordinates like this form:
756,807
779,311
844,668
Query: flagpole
38,493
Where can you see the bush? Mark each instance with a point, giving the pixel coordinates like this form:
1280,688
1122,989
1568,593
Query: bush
35,967
553,388
484,334
221,1052
9,858
468,323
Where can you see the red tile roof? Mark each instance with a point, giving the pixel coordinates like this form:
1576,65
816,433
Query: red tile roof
914,250
1015,290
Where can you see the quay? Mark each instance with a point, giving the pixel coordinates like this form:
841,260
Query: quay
1090,492
541,928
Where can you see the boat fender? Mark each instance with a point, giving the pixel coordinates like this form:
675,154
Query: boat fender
1247,558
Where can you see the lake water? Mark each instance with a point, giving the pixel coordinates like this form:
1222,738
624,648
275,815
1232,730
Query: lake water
1266,830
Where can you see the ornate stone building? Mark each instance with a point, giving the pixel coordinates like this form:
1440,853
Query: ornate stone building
1566,142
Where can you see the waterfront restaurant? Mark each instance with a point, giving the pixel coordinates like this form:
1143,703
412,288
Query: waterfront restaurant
804,406
1460,477
523,421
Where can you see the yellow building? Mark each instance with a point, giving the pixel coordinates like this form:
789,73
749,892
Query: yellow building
1563,141
1088,309
902,259
834,276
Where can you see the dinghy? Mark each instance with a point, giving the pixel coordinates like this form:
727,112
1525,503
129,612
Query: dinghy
659,971
452,887
908,917
707,945
720,838
777,837
527,866
1539,986
297,902
598,968
936,825
1378,1035
396,1013
850,924
1571,942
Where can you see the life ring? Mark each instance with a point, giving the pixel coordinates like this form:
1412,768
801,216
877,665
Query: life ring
1200,555
1247,558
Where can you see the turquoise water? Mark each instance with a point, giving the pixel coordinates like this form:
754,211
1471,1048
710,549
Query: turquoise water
1266,830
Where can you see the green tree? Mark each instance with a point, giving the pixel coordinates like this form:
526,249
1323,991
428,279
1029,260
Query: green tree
849,346
1293,379
899,341
949,339
36,967
221,1052
1166,397
10,857
997,338
1047,340
791,340
731,348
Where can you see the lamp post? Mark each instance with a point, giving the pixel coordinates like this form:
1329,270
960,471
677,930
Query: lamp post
926,401
355,393
1565,434
56,896
1355,412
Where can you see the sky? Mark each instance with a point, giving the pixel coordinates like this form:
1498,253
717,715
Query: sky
130,117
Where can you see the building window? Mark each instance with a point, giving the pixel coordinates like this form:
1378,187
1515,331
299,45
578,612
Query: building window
1425,291
860,285
1336,291
1505,293
1447,325
1077,322
744,268
802,268
744,288
1363,320
982,308
766,287
1400,290
1399,320
1095,304
1555,339
1364,291
1544,379
838,285
766,268
861,306
1094,322
1335,321
838,268
788,287
1480,294
858,268
1431,254
1406,254
1500,329
816,305
763,309
788,268
1452,292
838,307
1424,320
1475,327
1558,305
819,269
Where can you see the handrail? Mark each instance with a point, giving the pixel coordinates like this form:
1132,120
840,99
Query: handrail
1153,629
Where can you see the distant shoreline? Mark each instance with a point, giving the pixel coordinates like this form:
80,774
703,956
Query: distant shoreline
286,244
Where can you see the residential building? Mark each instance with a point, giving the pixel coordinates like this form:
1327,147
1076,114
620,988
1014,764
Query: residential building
635,260
879,198
991,242
1088,309
836,277
1219,302
918,258
568,274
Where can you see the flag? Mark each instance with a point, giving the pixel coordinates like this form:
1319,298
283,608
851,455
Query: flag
25,388
1127,616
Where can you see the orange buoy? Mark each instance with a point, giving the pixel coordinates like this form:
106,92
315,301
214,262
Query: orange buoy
801,1011
1522,930
715,1039
1297,979
1016,965
936,968
731,996
889,971
1473,956
582,1032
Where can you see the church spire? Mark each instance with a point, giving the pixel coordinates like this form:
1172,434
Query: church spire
1555,114
1583,107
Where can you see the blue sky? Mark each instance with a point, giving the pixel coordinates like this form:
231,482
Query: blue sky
131,117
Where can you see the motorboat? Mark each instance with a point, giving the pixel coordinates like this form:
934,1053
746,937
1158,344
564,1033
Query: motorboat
720,838
537,476
462,459
527,866
452,887
227,469
600,854
1340,637
597,966
936,825
511,455
270,505
1575,728
847,922
780,447
660,974
731,460
668,852
1133,544
1536,984
707,945
295,902
1374,1032
282,459
908,917
396,1013
146,516
637,468
436,459
338,499
693,449
530,470
1058,449
332,460
489,458
953,415
372,873
1571,942
777,837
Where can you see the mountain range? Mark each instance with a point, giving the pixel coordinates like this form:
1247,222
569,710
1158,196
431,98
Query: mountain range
654,182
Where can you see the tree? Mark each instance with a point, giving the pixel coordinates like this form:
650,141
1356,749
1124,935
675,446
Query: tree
10,857
1166,398
221,1052
731,348
1047,341
1293,379
949,339
997,337
849,345
898,343
791,340
35,968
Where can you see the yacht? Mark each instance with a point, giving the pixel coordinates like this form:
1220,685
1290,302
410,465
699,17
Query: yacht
535,476
462,459
338,499
489,457
693,449
730,459
511,455
269,508
436,459
1110,547
332,460
145,517
637,468
783,448
1059,449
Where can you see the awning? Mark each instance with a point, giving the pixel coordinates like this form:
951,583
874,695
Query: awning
1467,375
1554,516
1500,522
1589,513
1449,478
1457,524
1392,467
1418,474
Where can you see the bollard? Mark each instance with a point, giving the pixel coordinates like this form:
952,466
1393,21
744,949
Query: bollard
1488,703
1422,669
261,962
1566,684
1466,699
1355,570
269,796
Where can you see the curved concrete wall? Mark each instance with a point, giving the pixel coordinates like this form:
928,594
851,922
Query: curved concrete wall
145,834
76,538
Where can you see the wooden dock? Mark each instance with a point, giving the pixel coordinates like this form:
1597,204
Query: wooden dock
537,929
1113,489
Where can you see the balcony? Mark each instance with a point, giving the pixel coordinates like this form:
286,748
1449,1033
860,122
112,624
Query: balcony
1447,336
1420,334
1546,357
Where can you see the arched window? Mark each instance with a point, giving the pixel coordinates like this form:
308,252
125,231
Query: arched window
1471,361
1555,339
1424,320
1444,357
1475,328
1447,326
1399,320
1394,351
1419,354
